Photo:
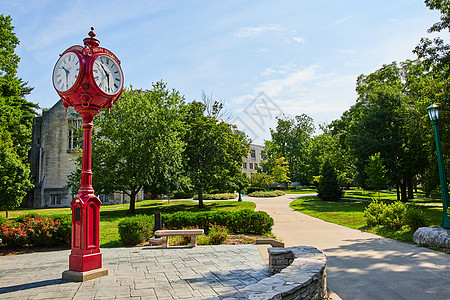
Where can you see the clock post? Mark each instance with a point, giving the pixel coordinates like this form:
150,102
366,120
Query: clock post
90,79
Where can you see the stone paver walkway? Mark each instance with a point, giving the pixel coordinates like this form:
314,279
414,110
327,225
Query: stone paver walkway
361,265
136,273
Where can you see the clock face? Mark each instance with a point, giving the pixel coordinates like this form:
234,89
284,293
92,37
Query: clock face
66,72
107,74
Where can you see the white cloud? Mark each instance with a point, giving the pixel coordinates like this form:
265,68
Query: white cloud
256,31
299,40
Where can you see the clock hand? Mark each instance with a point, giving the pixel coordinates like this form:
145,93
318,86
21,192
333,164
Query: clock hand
107,76
67,76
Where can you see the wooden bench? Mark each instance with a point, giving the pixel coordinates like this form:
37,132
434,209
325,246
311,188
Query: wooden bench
192,233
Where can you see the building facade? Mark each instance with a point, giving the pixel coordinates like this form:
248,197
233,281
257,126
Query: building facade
252,163
54,148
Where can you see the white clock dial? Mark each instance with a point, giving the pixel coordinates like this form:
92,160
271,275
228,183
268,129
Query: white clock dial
66,72
107,74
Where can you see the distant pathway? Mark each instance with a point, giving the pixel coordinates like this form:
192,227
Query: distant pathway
361,265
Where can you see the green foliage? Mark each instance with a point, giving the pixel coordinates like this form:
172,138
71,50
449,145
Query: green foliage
14,180
329,188
2,220
16,119
290,139
214,149
376,173
373,213
182,195
280,171
223,196
391,216
240,221
217,234
64,233
415,217
262,194
261,180
135,230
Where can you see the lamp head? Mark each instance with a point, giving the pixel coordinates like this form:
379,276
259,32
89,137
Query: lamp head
433,112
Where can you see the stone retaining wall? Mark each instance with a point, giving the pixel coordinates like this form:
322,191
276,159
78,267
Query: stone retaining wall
300,273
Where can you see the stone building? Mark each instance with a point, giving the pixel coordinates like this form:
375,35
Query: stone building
54,146
252,163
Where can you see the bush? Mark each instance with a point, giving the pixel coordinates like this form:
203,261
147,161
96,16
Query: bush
40,230
223,196
391,216
217,234
240,221
252,189
2,220
415,217
135,230
373,213
182,195
13,234
262,194
64,233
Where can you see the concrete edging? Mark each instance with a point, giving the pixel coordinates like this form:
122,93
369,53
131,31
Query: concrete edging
300,273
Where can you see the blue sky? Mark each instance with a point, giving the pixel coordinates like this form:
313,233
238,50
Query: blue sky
262,58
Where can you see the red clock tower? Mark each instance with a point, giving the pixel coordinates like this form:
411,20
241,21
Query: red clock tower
90,79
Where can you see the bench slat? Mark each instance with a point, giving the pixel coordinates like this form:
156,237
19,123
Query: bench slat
179,232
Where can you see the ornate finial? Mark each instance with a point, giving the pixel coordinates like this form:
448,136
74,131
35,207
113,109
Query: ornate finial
91,41
92,33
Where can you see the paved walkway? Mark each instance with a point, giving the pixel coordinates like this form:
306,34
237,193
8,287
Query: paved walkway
361,265
136,273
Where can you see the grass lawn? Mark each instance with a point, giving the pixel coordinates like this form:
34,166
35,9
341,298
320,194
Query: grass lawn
350,213
110,215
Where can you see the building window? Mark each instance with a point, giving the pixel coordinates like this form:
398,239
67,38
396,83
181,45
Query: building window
104,198
55,199
263,155
244,165
251,166
74,142
253,153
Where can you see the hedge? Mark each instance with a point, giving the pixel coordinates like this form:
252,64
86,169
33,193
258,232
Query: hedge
136,230
240,221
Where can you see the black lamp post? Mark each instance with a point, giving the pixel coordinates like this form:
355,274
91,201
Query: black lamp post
433,113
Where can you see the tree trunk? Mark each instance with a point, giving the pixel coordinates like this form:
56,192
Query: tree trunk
168,199
410,188
200,198
6,214
132,209
404,194
286,186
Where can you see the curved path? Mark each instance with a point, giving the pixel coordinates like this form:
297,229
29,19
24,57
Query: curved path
361,265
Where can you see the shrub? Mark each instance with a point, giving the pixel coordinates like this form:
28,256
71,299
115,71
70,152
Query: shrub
22,218
240,221
217,234
262,194
252,189
393,215
64,233
2,220
415,217
182,195
40,230
223,196
13,234
373,213
135,230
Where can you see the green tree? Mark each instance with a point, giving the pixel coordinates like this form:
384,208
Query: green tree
261,180
214,150
329,188
16,119
376,173
14,180
138,144
280,171
290,139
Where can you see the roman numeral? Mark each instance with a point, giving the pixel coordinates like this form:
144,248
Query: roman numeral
118,79
116,86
